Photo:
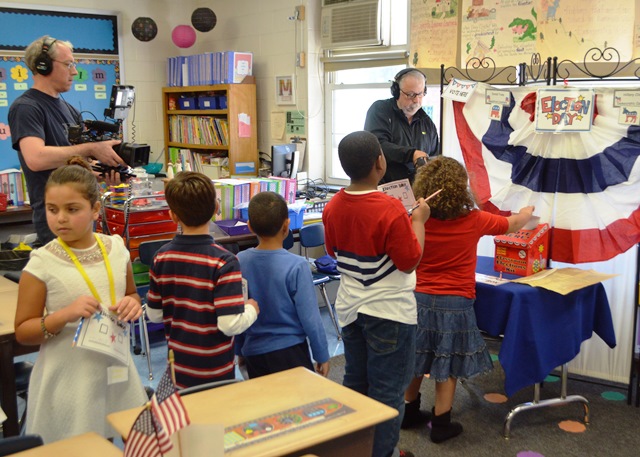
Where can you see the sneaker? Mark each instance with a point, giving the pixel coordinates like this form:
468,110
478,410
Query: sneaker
406,453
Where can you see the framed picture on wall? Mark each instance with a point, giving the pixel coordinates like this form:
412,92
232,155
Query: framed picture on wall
285,90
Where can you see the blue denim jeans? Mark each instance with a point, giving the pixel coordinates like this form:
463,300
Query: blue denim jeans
379,356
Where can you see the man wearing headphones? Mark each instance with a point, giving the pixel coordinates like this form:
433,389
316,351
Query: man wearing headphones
39,121
406,133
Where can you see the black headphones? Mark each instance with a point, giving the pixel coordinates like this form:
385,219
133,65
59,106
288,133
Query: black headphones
44,63
395,85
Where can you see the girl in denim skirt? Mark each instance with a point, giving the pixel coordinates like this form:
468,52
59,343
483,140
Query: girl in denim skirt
449,345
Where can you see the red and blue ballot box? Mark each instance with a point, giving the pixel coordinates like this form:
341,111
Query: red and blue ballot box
522,253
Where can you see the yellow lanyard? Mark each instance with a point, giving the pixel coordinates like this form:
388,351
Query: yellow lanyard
107,264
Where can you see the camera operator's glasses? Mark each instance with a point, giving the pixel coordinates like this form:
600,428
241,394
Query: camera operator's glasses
70,65
413,96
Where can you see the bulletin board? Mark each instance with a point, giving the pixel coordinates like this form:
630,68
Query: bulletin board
96,50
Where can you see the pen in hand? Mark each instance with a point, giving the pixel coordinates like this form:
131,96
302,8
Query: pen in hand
426,200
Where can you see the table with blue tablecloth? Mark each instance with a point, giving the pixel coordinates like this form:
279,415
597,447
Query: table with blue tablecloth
540,329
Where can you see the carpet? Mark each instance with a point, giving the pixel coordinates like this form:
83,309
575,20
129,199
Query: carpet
614,428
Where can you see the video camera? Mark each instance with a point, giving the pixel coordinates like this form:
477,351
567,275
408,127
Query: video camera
134,155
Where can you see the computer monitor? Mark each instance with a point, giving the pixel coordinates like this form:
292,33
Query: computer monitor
284,160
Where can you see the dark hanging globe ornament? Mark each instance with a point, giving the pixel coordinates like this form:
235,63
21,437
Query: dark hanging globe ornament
144,29
203,19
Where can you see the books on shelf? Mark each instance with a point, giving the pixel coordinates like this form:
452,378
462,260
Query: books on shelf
225,67
206,130
232,193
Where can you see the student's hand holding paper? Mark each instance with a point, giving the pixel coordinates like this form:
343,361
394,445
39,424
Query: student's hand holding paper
518,220
83,306
127,309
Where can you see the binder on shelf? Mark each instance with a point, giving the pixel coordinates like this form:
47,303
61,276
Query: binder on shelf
225,67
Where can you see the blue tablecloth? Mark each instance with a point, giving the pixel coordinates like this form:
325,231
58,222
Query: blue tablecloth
542,329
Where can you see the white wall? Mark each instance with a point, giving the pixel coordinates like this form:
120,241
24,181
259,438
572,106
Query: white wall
258,26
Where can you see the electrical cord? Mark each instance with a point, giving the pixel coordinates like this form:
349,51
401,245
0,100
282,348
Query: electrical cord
314,188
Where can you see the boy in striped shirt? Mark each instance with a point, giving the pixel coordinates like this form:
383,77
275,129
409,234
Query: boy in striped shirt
195,287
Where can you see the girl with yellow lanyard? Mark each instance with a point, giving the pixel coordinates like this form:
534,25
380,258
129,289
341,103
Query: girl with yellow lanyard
72,390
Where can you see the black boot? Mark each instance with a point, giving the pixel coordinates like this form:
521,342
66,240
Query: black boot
442,428
412,414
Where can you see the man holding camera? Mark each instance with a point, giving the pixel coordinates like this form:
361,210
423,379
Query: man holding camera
406,133
39,121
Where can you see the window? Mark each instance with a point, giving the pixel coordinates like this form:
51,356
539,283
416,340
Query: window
356,78
349,97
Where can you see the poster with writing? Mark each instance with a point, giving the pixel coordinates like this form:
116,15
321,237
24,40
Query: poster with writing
434,33
504,30
570,28
562,110
459,90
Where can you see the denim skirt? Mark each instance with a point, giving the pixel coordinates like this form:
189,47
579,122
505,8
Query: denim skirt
448,342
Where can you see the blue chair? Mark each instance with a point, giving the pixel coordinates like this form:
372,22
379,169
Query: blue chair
15,444
23,374
147,250
288,241
312,236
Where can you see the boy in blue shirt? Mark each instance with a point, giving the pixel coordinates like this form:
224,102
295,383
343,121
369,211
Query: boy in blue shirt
283,285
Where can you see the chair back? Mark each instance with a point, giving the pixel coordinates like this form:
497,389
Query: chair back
147,250
312,235
288,241
15,444
206,386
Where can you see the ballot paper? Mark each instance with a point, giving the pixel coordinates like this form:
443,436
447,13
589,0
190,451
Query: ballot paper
401,190
104,333
491,280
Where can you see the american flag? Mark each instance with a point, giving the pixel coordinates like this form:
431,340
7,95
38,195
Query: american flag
168,410
143,437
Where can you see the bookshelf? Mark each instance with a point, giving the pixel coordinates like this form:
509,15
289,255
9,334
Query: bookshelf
228,135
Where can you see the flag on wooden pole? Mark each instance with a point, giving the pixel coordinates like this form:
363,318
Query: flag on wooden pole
168,410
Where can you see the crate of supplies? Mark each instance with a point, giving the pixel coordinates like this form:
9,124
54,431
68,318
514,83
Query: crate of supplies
296,216
233,227
522,253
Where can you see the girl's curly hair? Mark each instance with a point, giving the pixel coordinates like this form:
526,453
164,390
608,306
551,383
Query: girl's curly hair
447,174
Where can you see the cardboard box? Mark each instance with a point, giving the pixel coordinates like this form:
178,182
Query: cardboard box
212,171
233,227
524,252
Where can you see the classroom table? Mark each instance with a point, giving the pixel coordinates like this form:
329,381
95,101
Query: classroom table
349,435
78,446
540,329
9,349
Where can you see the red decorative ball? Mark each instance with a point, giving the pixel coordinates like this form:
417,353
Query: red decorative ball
183,36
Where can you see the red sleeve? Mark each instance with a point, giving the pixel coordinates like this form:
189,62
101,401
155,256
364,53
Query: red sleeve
402,244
